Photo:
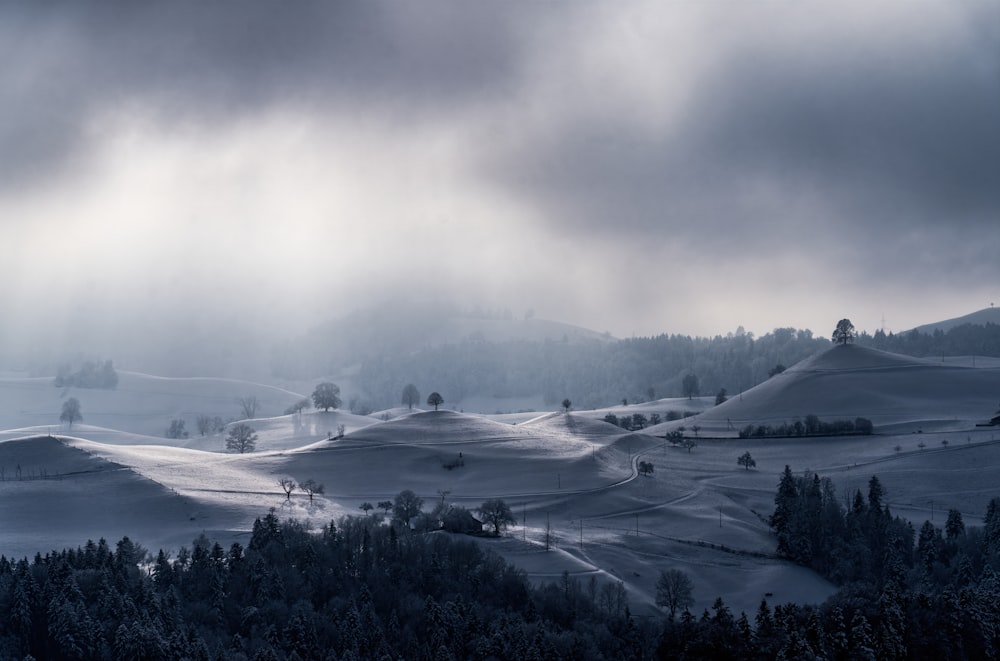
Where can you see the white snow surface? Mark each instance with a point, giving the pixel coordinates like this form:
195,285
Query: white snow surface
699,511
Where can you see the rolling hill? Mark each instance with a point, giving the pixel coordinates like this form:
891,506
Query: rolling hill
569,473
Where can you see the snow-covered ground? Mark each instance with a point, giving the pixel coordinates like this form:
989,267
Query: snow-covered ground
699,511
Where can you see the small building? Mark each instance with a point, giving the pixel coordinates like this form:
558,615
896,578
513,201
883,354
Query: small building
460,520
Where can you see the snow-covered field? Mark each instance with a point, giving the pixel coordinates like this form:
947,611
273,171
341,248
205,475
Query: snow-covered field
699,511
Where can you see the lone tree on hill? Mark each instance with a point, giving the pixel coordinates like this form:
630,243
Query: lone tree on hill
497,513
326,396
690,386
645,468
242,438
747,461
411,395
566,404
673,591
435,400
71,411
844,333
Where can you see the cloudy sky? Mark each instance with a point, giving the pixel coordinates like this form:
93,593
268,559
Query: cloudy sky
630,166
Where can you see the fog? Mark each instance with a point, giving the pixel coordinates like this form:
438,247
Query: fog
190,180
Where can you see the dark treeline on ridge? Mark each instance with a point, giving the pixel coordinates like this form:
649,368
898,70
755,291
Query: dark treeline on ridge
592,374
591,370
962,340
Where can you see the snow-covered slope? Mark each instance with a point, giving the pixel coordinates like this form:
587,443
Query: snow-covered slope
845,382
573,473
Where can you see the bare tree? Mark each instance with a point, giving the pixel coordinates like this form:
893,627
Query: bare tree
313,488
249,405
204,424
385,505
298,406
497,513
673,591
435,400
566,404
288,486
366,507
747,461
406,506
242,438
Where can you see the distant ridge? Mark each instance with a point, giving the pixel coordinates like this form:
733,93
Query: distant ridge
978,318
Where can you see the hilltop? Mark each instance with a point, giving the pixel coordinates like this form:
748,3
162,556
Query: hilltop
844,382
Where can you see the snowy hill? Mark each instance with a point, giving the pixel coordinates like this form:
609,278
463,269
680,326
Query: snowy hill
573,473
982,317
845,382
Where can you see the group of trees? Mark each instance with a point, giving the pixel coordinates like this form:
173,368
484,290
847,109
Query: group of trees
962,340
936,598
355,590
311,487
639,421
811,425
90,375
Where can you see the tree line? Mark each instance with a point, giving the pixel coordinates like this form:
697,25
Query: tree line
592,374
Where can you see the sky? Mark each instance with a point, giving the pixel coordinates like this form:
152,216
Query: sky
634,167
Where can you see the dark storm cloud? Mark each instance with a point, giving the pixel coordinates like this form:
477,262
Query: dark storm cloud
887,151
66,63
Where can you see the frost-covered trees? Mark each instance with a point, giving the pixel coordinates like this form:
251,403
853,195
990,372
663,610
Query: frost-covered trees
242,438
326,396
176,429
71,412
411,395
249,405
